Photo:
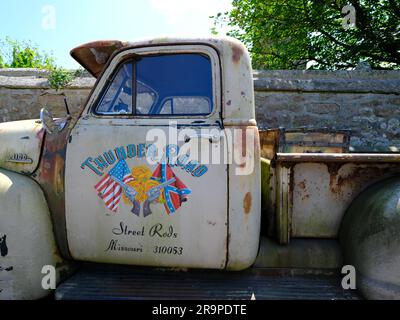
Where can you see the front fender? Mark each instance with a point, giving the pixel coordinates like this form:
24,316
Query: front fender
370,239
20,145
26,238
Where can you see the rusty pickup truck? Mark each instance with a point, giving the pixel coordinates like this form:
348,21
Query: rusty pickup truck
164,187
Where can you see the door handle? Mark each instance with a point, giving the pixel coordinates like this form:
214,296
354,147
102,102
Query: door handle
210,137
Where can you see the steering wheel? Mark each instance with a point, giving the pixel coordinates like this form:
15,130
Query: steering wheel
121,107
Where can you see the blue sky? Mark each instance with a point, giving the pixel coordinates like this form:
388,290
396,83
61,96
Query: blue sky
56,26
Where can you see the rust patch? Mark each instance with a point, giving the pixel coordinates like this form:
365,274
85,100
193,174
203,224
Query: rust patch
333,169
240,141
100,57
40,134
286,165
50,175
359,176
93,56
244,142
247,202
306,196
237,53
302,184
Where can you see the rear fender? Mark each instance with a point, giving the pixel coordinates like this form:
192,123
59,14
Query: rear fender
370,239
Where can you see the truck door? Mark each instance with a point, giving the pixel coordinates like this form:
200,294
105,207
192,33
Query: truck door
135,194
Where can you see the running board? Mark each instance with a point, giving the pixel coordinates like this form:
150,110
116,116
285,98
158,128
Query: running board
114,282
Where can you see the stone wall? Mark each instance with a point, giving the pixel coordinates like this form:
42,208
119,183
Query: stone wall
23,92
367,102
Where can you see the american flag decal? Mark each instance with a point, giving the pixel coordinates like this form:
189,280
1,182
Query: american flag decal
109,190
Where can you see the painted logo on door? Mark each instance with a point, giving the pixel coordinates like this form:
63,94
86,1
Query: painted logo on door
140,187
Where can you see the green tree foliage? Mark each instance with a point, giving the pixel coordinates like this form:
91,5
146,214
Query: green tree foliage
60,77
15,54
286,34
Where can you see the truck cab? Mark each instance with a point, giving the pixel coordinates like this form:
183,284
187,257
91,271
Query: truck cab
156,119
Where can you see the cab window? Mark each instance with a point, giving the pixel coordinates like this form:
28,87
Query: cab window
118,97
163,85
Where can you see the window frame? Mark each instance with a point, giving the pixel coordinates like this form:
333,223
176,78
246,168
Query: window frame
134,55
107,86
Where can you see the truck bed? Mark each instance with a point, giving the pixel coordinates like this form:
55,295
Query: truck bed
309,179
111,282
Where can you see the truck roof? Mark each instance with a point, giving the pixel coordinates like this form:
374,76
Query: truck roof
93,56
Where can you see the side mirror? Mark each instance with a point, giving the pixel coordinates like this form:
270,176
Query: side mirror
47,120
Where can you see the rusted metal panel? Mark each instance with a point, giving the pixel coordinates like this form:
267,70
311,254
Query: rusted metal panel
51,177
303,140
20,145
238,113
93,56
268,219
244,201
192,236
284,201
269,140
323,191
315,189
